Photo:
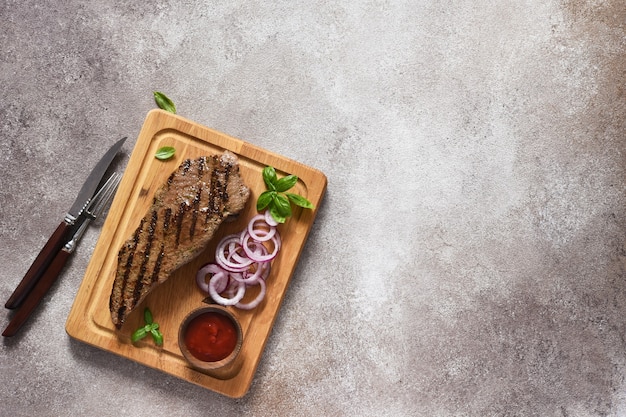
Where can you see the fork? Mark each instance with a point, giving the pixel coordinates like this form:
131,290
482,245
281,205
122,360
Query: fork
96,207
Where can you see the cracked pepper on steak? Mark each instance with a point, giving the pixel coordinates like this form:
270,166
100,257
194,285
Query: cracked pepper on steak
186,212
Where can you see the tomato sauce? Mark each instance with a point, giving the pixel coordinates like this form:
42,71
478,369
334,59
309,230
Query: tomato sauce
211,337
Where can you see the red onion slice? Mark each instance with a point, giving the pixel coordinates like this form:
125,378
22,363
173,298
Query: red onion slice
221,281
269,219
260,234
256,256
241,291
252,304
212,269
229,245
249,278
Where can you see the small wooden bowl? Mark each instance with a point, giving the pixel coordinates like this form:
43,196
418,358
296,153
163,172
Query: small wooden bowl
201,365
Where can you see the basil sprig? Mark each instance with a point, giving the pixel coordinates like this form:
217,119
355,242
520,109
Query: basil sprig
276,197
150,328
165,152
164,102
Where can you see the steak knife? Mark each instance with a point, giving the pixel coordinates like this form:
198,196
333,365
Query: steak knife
64,230
98,205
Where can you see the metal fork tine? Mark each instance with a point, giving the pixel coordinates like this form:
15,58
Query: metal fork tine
97,205
103,196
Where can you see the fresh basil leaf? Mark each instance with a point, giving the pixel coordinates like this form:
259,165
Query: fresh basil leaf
276,199
147,316
276,215
298,200
157,336
269,176
150,327
139,334
166,152
286,183
282,205
264,200
164,102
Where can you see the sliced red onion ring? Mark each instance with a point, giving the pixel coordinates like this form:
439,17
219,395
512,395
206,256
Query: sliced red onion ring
255,248
255,255
269,219
212,269
221,281
241,291
260,234
229,244
257,300
267,267
261,271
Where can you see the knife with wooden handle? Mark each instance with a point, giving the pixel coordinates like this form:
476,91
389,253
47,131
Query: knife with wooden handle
97,206
37,293
63,232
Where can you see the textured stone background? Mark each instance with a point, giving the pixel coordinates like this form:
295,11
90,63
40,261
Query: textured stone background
469,258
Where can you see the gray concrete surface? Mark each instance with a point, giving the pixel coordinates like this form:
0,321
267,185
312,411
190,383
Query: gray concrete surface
469,258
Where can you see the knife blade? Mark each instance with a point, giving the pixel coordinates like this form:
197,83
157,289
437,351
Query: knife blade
63,231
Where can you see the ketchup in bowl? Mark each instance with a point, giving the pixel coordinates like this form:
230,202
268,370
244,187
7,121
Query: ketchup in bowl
210,338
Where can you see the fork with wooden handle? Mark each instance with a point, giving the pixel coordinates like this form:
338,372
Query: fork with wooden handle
97,206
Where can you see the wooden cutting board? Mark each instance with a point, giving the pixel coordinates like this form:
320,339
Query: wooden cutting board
89,319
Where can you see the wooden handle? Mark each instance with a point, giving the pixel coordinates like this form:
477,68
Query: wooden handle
37,293
47,254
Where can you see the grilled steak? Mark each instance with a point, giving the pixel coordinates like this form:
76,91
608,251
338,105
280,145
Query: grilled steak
183,218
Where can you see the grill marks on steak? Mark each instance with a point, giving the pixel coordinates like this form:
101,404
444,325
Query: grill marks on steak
184,216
